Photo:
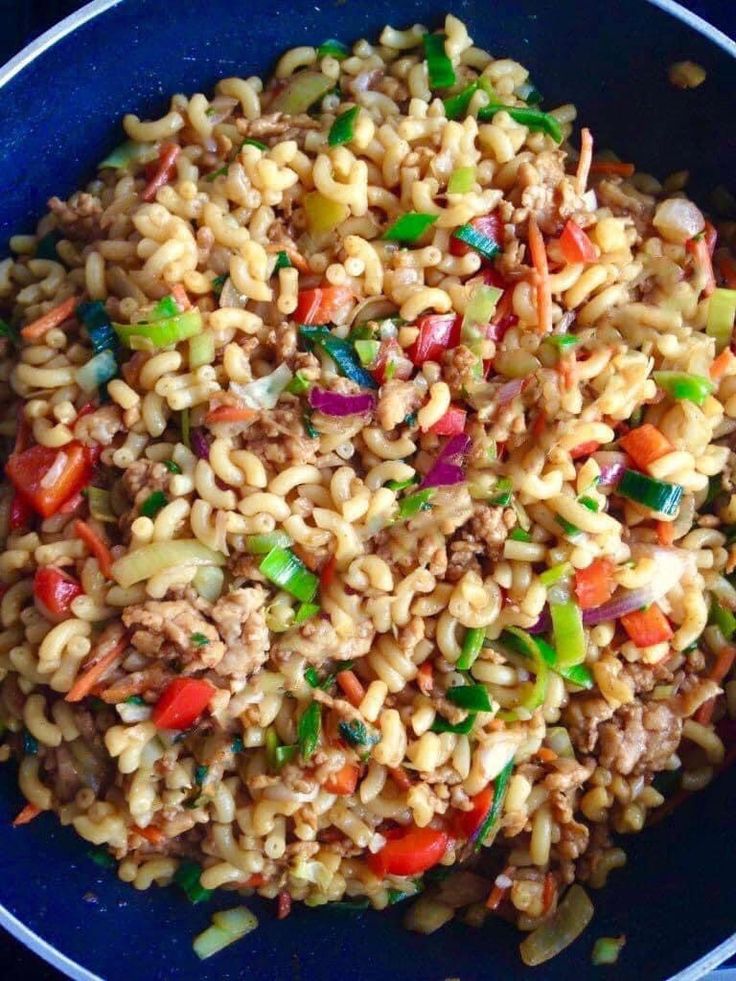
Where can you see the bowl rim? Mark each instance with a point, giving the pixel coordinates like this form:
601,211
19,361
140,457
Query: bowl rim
28,937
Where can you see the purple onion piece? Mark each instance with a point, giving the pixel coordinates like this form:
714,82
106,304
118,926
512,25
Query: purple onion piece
508,392
448,469
200,444
614,609
339,404
612,466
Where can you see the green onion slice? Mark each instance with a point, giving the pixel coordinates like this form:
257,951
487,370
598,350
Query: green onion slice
262,544
689,388
460,728
154,503
410,506
720,318
567,628
533,119
482,244
409,227
471,648
439,67
494,813
308,730
472,697
161,333
462,180
343,129
657,495
284,569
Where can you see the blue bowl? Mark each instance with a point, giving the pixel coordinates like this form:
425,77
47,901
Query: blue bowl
60,102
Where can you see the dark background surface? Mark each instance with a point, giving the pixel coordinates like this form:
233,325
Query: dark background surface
23,20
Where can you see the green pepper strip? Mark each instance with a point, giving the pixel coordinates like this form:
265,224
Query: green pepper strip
534,119
409,227
439,67
343,129
471,648
494,812
308,730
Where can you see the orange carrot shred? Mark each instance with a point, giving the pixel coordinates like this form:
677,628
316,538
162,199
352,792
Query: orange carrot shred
541,267
153,835
96,546
52,318
586,159
665,533
29,812
425,678
616,167
548,893
351,686
722,364
230,413
546,755
89,677
498,892
723,664
703,263
166,163
180,295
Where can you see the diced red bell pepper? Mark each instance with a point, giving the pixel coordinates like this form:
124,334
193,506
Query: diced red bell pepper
488,225
575,244
323,305
54,591
438,332
344,781
452,422
415,851
595,585
645,444
46,478
647,627
182,702
464,824
21,513
584,449
328,572
391,362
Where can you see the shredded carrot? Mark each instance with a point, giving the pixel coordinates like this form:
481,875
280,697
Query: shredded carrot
539,424
567,368
584,449
612,167
52,318
351,686
89,676
498,892
723,664
29,812
548,893
586,159
166,163
722,364
153,835
180,295
665,533
296,258
96,546
230,413
698,248
400,777
544,294
546,755
344,781
425,678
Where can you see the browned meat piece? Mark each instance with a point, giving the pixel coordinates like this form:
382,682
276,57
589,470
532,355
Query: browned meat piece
173,630
283,341
58,763
278,437
318,641
277,124
582,718
99,426
457,370
241,620
79,217
143,477
692,694
487,526
639,738
397,400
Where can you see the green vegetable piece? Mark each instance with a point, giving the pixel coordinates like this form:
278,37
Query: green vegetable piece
723,619
555,574
305,611
154,503
502,492
461,728
308,730
256,143
472,697
46,246
567,628
300,93
284,755
482,244
689,388
184,425
220,172
311,677
562,341
161,333
30,744
567,526
529,93
6,330
657,495
462,180
165,308
410,506
102,858
409,227
471,648
367,351
356,733
187,877
606,950
399,485
333,49
263,543
282,261
456,106
284,569
439,67
494,812
590,503
199,640
720,317
533,119
342,353
343,129
172,466
298,384
217,283
519,535
135,700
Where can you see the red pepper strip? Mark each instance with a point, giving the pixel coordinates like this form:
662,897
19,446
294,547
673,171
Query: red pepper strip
164,171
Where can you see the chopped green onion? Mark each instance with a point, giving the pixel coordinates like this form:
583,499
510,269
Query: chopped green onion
462,180
284,569
282,261
95,372
555,573
262,544
606,950
200,774
471,648
481,307
343,129
410,506
482,244
30,744
46,246
217,283
341,352
237,745
715,486
129,152
723,619
172,466
502,492
302,90
298,385
161,333
6,330
460,728
201,350
494,813
529,93
227,927
519,535
690,388
102,858
576,674
562,341
439,67
533,119
214,174
154,503
305,611
184,424
534,694
356,733
399,485
284,755
589,502
308,730
472,697
457,105
165,308
256,143
199,640
567,628
333,49
271,743
409,227
311,676
657,495
567,526
99,505
187,877
367,351
309,428
720,319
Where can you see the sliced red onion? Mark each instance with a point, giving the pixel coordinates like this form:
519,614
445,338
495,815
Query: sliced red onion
200,444
448,467
338,404
612,464
220,108
508,392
